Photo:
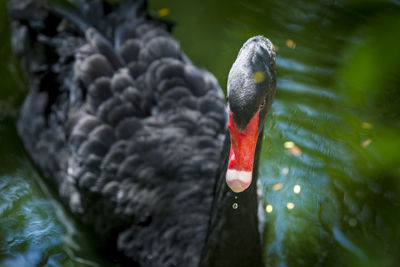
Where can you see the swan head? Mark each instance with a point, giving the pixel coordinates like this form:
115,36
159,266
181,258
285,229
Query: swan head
251,88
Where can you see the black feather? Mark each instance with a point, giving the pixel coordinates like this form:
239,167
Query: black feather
128,130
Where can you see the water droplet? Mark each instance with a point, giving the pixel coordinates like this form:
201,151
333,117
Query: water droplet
235,205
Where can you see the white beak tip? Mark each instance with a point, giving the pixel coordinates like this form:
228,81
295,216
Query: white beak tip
238,181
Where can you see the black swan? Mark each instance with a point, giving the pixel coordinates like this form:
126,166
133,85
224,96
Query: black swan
133,135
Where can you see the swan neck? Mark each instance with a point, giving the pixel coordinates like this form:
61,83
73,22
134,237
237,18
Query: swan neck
233,236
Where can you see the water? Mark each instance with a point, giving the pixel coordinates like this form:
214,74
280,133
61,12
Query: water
35,230
329,165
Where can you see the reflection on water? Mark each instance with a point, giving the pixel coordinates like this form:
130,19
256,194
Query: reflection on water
300,145
35,230
329,163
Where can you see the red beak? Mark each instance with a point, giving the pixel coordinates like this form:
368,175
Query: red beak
241,157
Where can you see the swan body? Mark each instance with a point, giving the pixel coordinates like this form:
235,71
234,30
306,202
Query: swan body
133,135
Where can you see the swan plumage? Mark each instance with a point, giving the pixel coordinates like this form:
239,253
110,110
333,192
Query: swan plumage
126,128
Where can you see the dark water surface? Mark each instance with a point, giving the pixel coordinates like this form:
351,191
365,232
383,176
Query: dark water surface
330,167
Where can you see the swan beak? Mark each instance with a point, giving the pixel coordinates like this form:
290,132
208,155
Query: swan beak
238,181
241,157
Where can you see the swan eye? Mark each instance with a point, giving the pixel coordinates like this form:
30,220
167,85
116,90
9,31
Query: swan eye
262,105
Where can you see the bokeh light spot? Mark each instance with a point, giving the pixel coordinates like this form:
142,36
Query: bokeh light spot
269,208
163,12
258,76
366,143
352,222
295,151
290,43
292,148
277,186
288,144
290,205
297,189
366,125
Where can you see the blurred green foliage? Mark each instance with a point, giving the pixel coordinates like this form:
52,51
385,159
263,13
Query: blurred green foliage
369,81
